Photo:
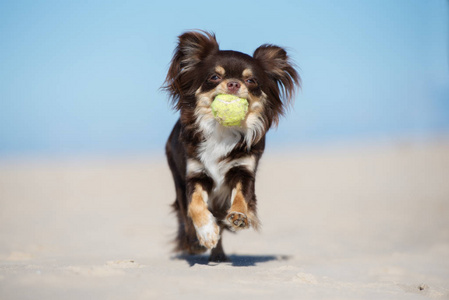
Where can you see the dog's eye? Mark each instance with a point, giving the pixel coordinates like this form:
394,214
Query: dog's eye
214,78
251,81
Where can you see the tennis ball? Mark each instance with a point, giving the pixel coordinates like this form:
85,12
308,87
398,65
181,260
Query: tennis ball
229,110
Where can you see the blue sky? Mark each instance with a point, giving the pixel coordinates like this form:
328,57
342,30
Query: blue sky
83,77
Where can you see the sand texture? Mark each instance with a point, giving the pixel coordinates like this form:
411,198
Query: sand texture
347,223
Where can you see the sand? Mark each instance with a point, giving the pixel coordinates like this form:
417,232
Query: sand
367,222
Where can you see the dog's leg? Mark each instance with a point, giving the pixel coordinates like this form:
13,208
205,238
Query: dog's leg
242,213
237,214
186,239
207,230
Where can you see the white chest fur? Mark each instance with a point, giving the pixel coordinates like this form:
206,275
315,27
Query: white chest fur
218,142
211,152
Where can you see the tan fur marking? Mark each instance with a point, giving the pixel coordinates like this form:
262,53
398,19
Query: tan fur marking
247,73
239,204
239,217
198,208
207,230
220,70
257,103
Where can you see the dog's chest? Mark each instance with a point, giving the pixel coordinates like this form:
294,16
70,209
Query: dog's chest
211,154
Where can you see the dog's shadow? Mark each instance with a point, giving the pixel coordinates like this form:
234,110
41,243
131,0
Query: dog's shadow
235,260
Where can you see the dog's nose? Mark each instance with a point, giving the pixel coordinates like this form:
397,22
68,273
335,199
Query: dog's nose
233,87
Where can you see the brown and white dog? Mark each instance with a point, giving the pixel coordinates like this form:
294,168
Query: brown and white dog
213,166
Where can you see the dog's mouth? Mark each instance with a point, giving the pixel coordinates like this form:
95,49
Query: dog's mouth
229,110
239,110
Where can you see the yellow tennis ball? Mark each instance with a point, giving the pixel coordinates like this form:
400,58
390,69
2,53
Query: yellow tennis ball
229,110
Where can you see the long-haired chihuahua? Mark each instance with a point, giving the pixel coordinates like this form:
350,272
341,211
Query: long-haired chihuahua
214,166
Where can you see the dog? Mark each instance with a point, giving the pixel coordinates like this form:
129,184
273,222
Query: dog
214,166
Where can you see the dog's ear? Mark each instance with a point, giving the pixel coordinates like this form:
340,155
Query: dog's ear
277,65
193,47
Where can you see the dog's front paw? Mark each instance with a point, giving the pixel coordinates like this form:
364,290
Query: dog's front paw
237,220
208,234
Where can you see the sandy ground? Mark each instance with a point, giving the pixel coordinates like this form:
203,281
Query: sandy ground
348,223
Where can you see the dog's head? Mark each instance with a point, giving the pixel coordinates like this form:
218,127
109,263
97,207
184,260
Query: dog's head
199,71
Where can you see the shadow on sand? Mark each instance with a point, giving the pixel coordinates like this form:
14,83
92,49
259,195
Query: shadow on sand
234,260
